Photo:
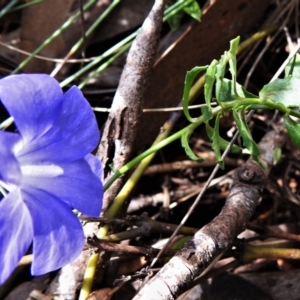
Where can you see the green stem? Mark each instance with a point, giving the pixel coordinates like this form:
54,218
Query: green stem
105,65
119,46
252,252
106,54
226,106
87,33
22,6
175,8
7,8
157,147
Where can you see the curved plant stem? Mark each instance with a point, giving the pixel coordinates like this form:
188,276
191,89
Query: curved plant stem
108,53
105,65
22,6
157,147
252,252
8,7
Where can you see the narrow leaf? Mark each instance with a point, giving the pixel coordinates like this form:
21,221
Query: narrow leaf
185,144
232,61
193,10
220,72
285,91
227,91
210,78
277,155
222,142
248,141
216,142
293,129
175,20
189,79
293,67
206,113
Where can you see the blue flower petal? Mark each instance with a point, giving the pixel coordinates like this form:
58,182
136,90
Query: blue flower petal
58,235
15,234
10,172
32,100
74,183
74,134
95,165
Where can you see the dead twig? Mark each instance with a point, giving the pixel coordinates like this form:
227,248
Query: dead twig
119,136
144,226
210,161
99,245
215,238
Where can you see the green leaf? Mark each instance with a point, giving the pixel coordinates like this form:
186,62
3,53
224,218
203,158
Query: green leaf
221,67
293,67
227,91
277,154
232,58
209,130
175,20
222,142
177,245
248,141
112,168
189,79
210,78
220,72
185,144
285,91
193,10
216,142
293,129
206,113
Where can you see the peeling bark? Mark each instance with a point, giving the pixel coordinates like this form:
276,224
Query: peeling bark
211,241
119,136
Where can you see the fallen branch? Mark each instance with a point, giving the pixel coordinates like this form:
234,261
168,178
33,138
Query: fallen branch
210,242
210,161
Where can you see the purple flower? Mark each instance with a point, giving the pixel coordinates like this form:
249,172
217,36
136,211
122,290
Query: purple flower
47,170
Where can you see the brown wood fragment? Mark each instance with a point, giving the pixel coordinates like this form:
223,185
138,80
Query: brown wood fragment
39,21
119,136
210,161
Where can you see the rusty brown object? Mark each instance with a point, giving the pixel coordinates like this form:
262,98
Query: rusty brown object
199,45
39,21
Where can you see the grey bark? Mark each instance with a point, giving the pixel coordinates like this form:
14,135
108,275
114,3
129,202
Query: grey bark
119,136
